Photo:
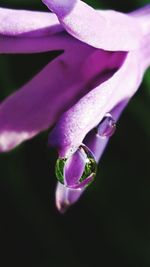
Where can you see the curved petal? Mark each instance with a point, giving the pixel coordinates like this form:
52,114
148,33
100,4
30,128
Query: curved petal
28,23
65,197
74,124
95,142
111,31
30,32
38,104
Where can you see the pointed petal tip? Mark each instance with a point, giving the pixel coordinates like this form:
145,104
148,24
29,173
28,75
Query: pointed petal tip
62,206
66,197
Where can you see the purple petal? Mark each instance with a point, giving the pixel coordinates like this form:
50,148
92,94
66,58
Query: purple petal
143,17
14,45
30,32
66,197
28,23
110,30
74,168
62,7
41,101
89,110
95,142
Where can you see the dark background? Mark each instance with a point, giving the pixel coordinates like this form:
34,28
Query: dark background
110,225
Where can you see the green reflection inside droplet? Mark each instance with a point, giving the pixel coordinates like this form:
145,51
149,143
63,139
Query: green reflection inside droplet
59,169
89,170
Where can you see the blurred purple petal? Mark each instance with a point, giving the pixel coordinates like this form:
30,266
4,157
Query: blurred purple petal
66,197
143,17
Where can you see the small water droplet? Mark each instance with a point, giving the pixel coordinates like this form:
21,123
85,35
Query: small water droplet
77,171
107,126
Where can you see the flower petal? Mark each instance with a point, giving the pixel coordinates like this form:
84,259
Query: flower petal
109,30
30,32
28,23
65,197
94,141
38,104
74,124
143,17
15,45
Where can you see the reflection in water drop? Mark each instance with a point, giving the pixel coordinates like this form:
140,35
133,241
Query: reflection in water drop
77,171
107,126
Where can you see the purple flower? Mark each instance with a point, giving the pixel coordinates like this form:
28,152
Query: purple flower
83,91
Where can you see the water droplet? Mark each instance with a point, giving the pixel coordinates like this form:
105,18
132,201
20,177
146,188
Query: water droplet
107,126
77,171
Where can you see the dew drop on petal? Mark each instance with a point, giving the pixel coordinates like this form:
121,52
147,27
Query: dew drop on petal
77,171
107,126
